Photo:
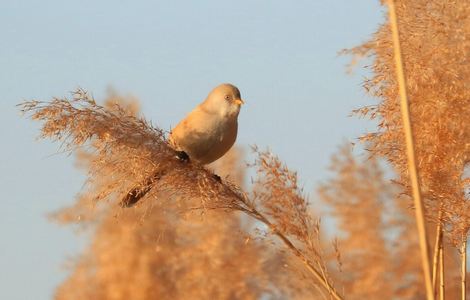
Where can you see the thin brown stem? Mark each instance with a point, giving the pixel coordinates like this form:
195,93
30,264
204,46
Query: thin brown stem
441,271
463,269
243,204
249,209
437,251
412,166
308,264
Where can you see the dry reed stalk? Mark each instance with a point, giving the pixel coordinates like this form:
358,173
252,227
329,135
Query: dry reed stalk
463,270
437,250
320,277
419,208
436,255
308,264
441,271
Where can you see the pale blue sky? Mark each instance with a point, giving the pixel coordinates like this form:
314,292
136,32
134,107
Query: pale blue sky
281,54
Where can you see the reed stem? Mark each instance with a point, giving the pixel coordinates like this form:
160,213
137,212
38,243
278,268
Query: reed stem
441,270
463,255
437,250
321,278
413,170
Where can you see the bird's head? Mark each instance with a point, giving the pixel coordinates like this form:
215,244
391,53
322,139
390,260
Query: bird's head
224,100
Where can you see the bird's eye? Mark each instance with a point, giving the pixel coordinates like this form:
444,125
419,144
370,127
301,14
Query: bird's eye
227,97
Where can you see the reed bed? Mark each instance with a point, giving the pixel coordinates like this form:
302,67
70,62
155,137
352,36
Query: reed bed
197,235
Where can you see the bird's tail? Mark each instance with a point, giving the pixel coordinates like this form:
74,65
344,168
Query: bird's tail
137,193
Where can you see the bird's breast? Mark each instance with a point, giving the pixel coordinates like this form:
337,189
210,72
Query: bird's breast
207,139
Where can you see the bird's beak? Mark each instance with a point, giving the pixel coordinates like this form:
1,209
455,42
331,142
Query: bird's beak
239,101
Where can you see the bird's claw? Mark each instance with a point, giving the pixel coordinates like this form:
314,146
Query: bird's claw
182,156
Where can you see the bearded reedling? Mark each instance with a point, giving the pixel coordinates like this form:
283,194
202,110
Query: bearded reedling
205,135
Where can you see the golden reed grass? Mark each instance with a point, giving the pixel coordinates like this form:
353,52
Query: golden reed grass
434,41
158,250
410,152
126,150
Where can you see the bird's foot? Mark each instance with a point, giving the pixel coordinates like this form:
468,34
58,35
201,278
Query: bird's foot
217,177
182,156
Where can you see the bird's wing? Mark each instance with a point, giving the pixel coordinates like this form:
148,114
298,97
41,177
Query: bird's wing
194,123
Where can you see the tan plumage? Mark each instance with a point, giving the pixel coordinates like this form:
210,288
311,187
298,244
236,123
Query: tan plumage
205,135
210,130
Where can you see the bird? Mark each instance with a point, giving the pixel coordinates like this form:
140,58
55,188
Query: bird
204,135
